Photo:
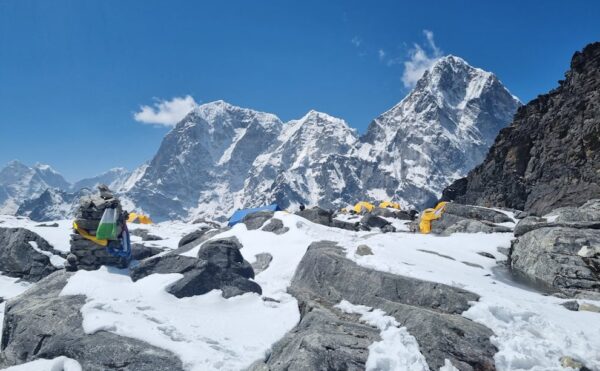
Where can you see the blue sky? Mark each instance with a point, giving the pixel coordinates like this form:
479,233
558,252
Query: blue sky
74,73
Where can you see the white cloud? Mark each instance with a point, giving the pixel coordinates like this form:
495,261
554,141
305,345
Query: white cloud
421,58
166,112
356,41
381,53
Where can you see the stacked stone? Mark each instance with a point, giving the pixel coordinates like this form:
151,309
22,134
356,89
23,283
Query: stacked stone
86,254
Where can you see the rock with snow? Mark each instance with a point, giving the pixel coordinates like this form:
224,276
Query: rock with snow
550,255
26,255
374,221
276,226
218,266
430,312
477,213
262,262
325,339
43,324
256,220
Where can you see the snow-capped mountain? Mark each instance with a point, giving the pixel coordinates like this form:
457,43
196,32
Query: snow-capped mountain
113,178
440,131
19,182
222,157
52,204
204,161
293,170
41,193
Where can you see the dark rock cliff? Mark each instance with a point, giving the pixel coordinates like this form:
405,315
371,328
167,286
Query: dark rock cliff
550,155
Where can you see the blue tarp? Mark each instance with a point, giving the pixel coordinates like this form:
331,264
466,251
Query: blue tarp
239,215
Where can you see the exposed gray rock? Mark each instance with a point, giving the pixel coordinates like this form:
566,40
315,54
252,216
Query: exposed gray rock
450,223
52,225
549,156
385,212
262,262
325,339
325,217
363,250
373,221
531,223
193,236
589,307
430,312
551,256
572,305
572,363
476,212
140,251
219,265
18,258
41,324
317,215
588,212
256,220
275,226
436,253
91,256
486,254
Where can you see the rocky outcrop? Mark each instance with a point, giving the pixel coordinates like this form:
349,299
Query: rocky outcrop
42,324
550,155
276,226
557,256
219,265
19,258
561,250
256,220
145,235
458,218
325,217
325,337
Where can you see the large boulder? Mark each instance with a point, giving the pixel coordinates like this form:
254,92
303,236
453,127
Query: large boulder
42,324
476,213
325,217
531,223
256,220
431,312
19,258
566,259
276,226
317,215
219,265
373,221
450,223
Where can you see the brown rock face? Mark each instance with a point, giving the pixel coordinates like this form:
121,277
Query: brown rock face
550,155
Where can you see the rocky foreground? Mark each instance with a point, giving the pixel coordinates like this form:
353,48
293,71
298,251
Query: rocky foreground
489,289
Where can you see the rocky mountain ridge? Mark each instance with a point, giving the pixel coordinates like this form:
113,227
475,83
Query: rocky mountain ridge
550,155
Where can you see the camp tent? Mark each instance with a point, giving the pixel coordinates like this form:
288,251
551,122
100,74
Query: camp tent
363,206
139,218
431,214
389,204
239,215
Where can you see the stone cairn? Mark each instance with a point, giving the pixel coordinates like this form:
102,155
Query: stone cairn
86,254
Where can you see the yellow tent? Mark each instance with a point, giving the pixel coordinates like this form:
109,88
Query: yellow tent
139,218
390,204
431,214
363,206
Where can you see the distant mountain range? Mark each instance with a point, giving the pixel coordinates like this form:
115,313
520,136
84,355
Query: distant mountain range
221,157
